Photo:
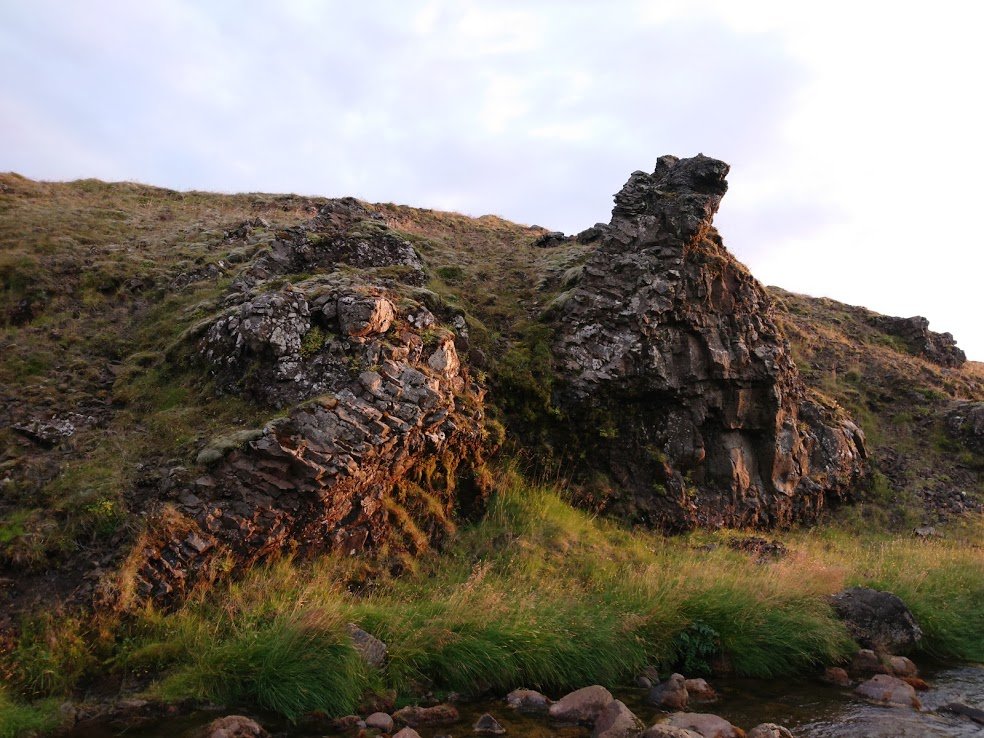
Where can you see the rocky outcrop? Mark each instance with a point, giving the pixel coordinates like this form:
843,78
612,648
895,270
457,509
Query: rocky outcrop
381,434
877,620
668,352
940,348
965,423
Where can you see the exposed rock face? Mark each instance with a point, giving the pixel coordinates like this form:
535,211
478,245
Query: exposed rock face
877,620
965,422
668,349
380,442
940,348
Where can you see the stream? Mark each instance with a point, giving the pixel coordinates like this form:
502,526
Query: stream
809,708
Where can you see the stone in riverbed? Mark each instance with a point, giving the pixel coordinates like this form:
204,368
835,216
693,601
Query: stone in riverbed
699,690
581,706
671,694
617,721
662,730
488,725
380,721
889,690
415,716
234,726
902,666
528,700
705,724
407,733
866,662
836,675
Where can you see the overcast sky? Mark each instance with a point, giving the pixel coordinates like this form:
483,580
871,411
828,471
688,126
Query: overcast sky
853,128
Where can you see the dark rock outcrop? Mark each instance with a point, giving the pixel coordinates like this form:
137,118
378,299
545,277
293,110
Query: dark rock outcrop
668,351
940,348
877,620
965,423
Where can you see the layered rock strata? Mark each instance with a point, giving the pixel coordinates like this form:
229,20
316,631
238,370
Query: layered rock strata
671,361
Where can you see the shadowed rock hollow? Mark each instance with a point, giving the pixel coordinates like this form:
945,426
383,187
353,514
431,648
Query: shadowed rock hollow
669,350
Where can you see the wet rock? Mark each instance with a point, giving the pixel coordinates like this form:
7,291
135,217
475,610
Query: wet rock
836,675
920,685
529,701
407,733
672,694
705,724
380,721
648,679
959,708
672,343
699,690
889,690
877,620
344,723
416,716
663,730
901,666
371,649
616,721
769,730
234,726
581,706
488,725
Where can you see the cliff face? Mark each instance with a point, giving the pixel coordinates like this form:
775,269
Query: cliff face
670,346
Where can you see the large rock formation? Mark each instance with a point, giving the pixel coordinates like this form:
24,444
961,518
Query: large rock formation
940,348
671,362
381,444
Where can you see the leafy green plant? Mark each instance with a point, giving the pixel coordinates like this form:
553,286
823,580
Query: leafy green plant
695,646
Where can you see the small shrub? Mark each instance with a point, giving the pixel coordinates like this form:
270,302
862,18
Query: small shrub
695,646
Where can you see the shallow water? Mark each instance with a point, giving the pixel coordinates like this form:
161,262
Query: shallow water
809,708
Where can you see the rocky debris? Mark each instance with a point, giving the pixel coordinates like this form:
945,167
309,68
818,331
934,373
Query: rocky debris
234,726
380,444
592,233
581,706
889,690
663,730
416,716
926,531
671,348
549,240
487,725
877,620
616,721
705,724
940,348
959,708
407,733
529,701
380,721
371,649
671,694
49,432
699,690
769,730
965,423
763,548
837,676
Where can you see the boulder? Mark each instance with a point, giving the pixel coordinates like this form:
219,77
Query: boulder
877,620
698,690
866,662
769,730
836,675
527,700
364,315
673,351
380,721
707,725
671,694
617,721
889,690
371,649
407,733
901,666
581,706
939,348
416,716
234,726
488,725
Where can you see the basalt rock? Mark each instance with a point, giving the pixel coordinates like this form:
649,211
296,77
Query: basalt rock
940,348
965,423
379,442
669,352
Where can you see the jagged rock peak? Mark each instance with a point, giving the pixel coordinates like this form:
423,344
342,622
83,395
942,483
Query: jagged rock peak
669,348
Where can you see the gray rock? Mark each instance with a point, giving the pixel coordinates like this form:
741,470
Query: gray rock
877,620
364,315
671,694
371,649
581,706
965,423
889,690
902,666
959,708
616,721
707,725
698,690
527,700
380,721
662,730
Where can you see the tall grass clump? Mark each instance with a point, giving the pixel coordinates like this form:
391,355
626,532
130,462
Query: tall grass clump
19,719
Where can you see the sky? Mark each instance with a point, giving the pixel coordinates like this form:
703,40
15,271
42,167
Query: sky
853,129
